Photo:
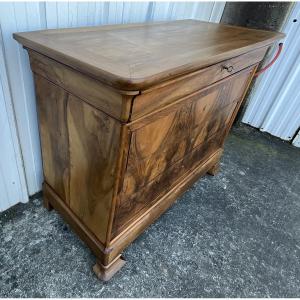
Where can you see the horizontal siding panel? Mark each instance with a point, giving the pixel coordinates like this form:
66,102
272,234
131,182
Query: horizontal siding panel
12,177
274,105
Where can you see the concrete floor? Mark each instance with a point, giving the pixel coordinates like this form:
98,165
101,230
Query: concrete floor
233,235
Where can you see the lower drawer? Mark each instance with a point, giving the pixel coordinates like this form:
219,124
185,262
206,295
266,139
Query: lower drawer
132,204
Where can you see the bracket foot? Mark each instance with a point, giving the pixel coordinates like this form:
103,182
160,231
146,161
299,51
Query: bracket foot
105,273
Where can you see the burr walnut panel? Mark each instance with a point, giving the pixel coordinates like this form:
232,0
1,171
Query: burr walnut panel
170,136
137,198
173,132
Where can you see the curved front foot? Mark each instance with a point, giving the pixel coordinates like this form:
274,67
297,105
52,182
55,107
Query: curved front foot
105,273
214,170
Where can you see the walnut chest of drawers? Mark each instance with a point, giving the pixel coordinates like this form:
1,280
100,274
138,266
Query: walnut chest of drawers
131,115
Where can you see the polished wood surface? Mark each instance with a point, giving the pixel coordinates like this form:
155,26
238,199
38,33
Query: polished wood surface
120,242
89,90
80,146
167,92
166,146
93,146
119,148
52,111
54,201
136,56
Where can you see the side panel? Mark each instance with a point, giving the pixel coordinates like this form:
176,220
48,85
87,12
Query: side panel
80,148
52,103
94,146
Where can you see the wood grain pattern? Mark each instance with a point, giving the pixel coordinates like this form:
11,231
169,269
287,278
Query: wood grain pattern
188,117
176,104
80,148
183,133
52,103
91,91
168,92
134,57
137,198
76,224
173,133
160,147
94,143
150,215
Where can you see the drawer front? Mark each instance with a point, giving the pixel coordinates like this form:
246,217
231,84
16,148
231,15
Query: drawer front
168,144
153,99
175,132
135,201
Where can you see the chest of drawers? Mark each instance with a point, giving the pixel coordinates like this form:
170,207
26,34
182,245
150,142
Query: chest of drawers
131,115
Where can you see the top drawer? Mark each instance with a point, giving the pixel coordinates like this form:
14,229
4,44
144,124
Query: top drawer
163,94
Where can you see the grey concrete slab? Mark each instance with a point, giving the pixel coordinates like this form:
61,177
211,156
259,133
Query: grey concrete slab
233,235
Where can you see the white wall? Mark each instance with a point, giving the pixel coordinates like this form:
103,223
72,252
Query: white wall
28,16
12,177
22,17
274,105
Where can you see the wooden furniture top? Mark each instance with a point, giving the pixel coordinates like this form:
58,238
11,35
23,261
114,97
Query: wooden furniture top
137,56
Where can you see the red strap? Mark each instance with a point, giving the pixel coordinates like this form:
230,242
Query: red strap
271,62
